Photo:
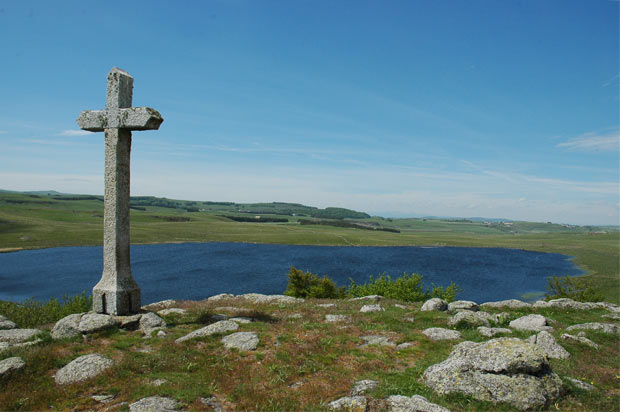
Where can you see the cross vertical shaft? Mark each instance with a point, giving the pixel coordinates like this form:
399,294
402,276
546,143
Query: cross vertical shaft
117,292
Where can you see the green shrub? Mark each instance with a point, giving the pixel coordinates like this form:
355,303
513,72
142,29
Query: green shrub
31,313
448,293
579,289
309,285
407,288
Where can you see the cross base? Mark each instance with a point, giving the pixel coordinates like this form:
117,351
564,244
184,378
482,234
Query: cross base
116,301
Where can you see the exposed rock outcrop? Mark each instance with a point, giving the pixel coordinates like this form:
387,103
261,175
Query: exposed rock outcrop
434,304
531,322
244,341
222,326
500,370
83,368
441,334
416,403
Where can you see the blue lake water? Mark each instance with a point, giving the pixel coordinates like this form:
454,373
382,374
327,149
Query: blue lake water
199,270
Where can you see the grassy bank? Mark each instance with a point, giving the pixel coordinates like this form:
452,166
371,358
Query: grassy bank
46,221
301,363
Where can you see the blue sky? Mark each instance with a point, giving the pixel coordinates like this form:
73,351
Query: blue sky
397,108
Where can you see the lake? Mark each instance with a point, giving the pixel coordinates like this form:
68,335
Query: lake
199,270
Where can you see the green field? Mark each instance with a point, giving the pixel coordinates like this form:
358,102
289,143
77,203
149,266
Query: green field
37,221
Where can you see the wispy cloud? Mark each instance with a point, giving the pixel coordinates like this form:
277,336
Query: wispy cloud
594,142
2,131
72,133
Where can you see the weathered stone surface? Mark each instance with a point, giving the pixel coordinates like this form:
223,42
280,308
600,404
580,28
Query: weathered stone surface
162,304
349,404
6,323
82,368
337,318
467,317
374,298
259,298
580,339
171,311
18,335
95,322
510,303
294,316
416,403
490,332
441,334
376,340
363,386
326,305
613,316
531,322
612,307
129,322
222,326
10,365
500,370
372,308
404,345
565,303
150,322
434,304
154,404
463,305
545,341
106,398
598,326
581,384
241,319
221,296
245,341
399,306
212,403
67,327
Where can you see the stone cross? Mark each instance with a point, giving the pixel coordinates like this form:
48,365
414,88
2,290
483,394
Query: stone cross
117,292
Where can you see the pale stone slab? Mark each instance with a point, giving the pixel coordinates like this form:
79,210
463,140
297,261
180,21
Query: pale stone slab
416,403
441,334
598,326
83,368
372,308
463,305
154,404
337,318
434,304
531,323
6,323
510,303
11,364
376,340
18,335
363,386
349,404
490,332
244,341
545,341
222,326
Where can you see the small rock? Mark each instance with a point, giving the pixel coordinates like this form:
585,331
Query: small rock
349,404
463,305
490,332
470,318
151,322
212,403
95,322
601,327
161,333
67,327
218,327
129,322
580,339
158,382
531,322
581,384
361,387
241,319
6,323
154,404
374,298
12,336
399,306
613,316
82,368
435,304
410,319
171,311
245,341
404,345
549,345
608,306
416,403
11,364
372,308
219,297
163,304
441,334
326,305
337,318
565,303
102,398
296,385
294,316
376,340
510,303
259,298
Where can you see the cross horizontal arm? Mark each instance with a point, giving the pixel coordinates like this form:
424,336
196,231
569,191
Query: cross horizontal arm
133,118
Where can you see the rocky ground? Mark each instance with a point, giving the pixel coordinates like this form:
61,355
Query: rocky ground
276,353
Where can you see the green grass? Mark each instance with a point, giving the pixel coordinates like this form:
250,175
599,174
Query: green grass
324,359
48,222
